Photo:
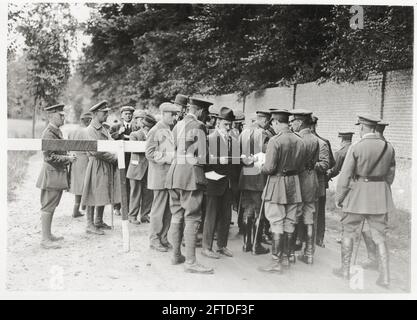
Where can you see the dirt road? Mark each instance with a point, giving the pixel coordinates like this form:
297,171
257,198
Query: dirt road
97,263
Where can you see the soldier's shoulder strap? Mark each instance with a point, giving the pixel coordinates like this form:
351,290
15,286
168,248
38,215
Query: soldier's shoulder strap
379,158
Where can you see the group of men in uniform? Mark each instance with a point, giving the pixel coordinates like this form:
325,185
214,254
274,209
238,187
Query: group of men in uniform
198,164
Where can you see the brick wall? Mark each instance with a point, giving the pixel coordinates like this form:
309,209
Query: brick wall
336,106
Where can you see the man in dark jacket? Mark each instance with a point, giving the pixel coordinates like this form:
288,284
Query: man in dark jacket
140,196
219,192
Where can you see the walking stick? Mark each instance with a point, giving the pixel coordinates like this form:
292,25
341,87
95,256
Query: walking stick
359,242
258,221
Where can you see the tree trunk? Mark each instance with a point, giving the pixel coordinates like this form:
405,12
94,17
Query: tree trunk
34,118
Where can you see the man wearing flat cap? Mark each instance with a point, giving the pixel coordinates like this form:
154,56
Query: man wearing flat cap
140,196
102,179
181,101
160,149
301,124
222,147
364,194
253,140
326,161
122,131
79,166
284,160
53,178
186,182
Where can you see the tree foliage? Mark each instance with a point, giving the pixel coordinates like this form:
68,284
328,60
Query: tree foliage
48,32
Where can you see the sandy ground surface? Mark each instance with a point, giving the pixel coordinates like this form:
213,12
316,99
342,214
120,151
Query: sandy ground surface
98,263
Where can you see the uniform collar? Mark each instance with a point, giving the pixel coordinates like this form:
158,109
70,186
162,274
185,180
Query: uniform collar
285,130
305,130
54,129
163,125
96,125
370,135
191,116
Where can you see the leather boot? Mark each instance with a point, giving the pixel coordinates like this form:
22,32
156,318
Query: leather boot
176,230
286,251
277,251
47,242
307,257
99,219
190,236
247,226
291,247
371,262
346,255
383,262
257,247
91,228
298,236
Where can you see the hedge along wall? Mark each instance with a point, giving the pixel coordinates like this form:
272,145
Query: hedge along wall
387,95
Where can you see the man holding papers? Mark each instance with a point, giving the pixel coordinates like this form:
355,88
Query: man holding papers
223,160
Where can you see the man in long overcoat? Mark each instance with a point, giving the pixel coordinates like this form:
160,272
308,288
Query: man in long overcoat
79,166
102,178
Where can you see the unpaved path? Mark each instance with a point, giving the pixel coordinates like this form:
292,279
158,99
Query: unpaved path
97,263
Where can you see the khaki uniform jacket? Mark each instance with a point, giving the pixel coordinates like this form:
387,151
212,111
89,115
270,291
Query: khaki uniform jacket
322,166
54,172
79,166
253,140
372,197
285,152
339,156
102,178
190,136
218,147
138,167
159,151
308,177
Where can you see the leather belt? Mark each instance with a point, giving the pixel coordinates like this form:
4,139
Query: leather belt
287,173
370,178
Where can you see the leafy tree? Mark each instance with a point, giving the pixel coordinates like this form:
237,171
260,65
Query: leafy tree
48,31
384,43
145,54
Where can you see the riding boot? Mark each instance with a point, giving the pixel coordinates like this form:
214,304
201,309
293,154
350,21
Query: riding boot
176,230
307,257
277,252
298,236
99,223
286,257
383,263
371,262
247,226
257,247
190,236
291,245
91,228
346,255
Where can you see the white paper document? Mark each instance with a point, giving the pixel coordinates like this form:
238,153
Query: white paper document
211,175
